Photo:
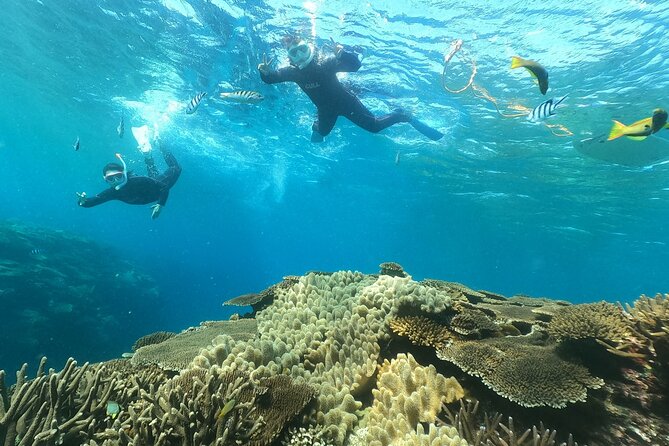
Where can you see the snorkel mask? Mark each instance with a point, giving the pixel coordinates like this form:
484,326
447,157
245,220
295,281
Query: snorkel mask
301,54
117,178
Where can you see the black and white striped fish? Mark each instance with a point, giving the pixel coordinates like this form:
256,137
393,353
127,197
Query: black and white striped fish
195,102
545,109
243,96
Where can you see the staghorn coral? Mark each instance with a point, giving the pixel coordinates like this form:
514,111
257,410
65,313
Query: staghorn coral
406,396
153,338
178,351
651,315
53,408
489,431
529,375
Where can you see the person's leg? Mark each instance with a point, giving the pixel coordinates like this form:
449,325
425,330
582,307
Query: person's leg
322,126
173,171
151,165
360,115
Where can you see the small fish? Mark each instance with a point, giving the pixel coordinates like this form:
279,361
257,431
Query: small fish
227,408
113,409
195,102
539,72
243,96
121,128
127,355
397,158
36,252
640,129
545,109
76,144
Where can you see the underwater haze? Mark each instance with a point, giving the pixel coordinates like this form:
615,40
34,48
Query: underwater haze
499,203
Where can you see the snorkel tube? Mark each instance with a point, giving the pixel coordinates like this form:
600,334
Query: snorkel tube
125,172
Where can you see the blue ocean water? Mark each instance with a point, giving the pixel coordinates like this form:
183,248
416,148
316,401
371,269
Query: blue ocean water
498,204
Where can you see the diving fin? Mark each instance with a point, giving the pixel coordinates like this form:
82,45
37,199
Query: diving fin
143,138
433,134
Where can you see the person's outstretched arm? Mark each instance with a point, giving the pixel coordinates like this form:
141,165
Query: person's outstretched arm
103,197
269,76
343,61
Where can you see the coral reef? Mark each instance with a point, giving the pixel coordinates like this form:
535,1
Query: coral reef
152,338
392,269
176,352
490,431
601,320
407,395
349,359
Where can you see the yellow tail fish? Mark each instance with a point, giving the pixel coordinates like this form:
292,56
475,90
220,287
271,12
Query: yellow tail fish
539,72
640,130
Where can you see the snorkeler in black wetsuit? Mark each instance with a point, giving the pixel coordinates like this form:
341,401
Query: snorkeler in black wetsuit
317,77
135,189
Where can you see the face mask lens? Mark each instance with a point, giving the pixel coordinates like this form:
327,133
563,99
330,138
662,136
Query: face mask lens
114,177
298,50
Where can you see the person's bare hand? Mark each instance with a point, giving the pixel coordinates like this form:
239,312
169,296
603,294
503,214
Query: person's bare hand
265,66
336,48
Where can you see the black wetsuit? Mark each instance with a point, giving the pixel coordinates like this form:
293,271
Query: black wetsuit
140,189
319,81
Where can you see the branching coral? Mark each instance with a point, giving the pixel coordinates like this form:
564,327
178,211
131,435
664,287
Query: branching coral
602,321
53,408
488,430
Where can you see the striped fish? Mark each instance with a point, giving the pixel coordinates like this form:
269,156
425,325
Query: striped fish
243,96
545,109
195,102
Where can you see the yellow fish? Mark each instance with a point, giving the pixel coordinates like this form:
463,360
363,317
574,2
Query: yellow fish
640,129
539,72
225,409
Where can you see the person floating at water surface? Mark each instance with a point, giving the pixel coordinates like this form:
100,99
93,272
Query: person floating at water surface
129,188
317,77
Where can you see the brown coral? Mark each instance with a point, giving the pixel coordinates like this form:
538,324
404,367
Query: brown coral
651,315
530,375
392,269
472,322
421,331
177,352
153,338
601,320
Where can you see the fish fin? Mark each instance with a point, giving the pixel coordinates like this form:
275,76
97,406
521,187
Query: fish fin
617,130
517,62
559,101
637,138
